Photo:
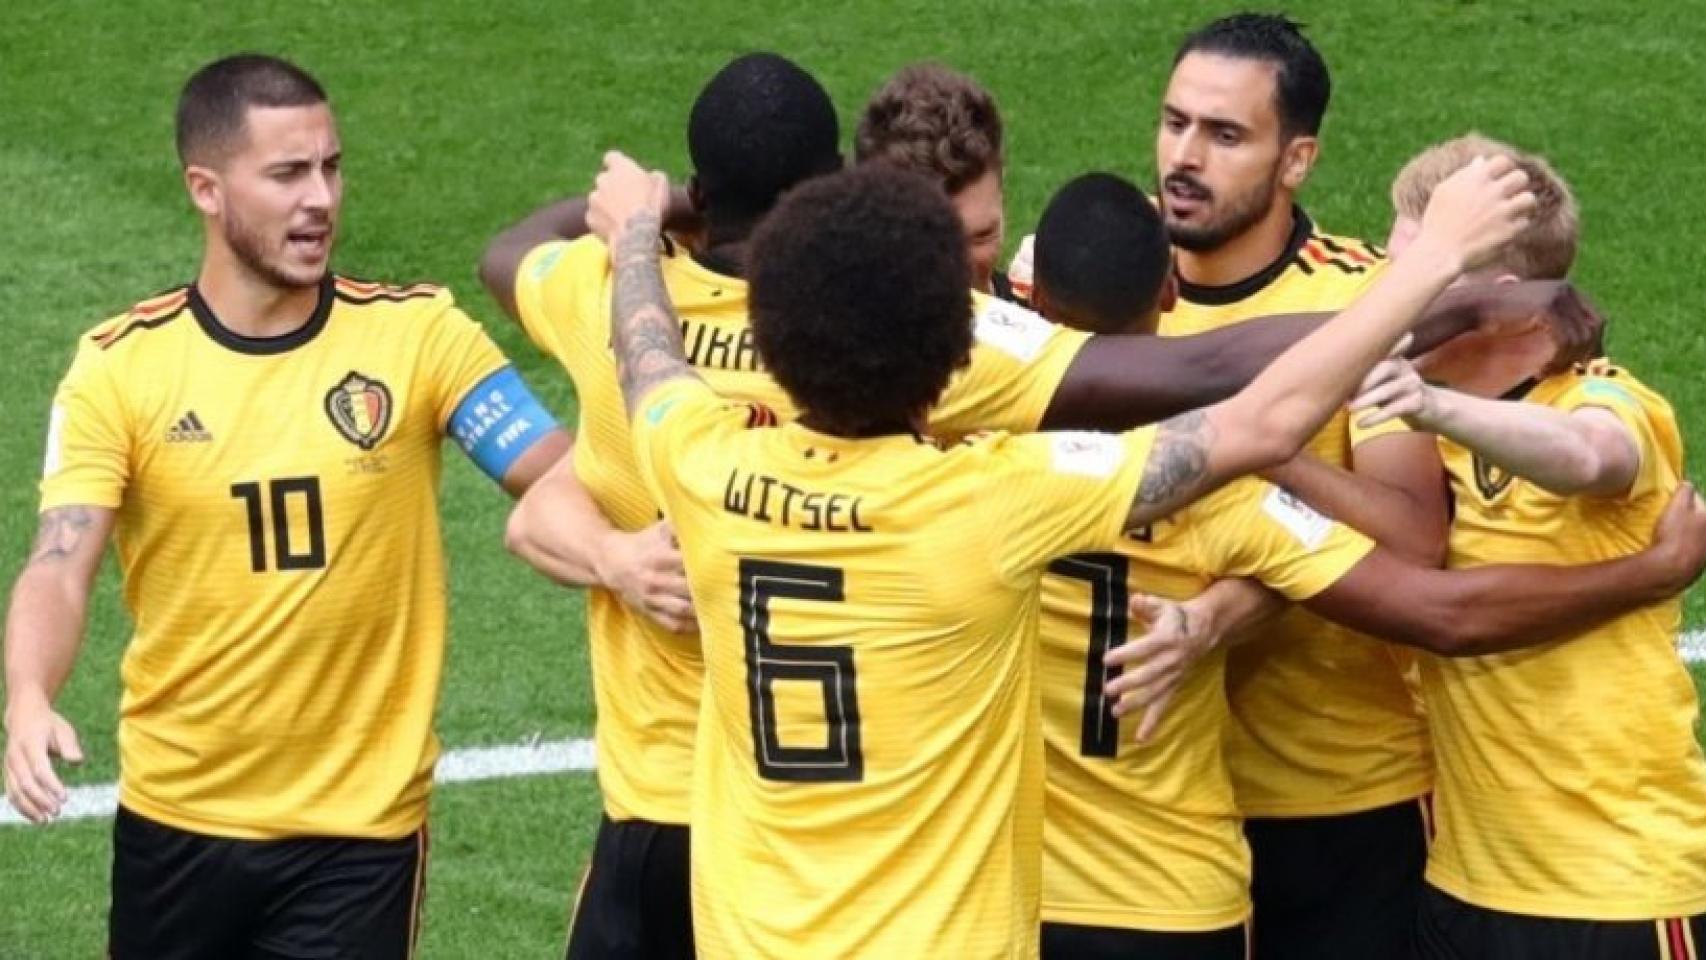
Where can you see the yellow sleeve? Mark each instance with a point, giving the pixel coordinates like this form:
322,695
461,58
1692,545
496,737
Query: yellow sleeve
1257,530
545,288
88,437
457,354
1361,435
1054,494
679,418
1622,402
1018,361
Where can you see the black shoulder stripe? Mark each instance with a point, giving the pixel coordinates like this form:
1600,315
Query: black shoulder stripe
385,296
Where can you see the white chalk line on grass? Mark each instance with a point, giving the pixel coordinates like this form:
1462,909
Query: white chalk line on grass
475,764
469,765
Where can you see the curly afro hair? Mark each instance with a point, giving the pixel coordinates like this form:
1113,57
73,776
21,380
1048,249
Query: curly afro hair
859,302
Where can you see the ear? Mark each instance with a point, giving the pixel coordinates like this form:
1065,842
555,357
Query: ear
695,194
203,186
1297,160
1040,302
1169,293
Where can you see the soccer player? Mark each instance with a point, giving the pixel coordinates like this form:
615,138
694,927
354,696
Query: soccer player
1572,791
1329,751
902,820
1142,852
944,125
263,444
759,127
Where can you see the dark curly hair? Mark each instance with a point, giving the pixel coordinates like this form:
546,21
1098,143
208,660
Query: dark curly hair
859,303
935,122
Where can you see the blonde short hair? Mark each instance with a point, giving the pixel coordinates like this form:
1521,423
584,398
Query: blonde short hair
1547,248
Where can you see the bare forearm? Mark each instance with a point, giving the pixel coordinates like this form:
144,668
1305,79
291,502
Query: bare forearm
1294,398
1388,515
1547,446
557,528
1492,609
645,331
44,629
1231,608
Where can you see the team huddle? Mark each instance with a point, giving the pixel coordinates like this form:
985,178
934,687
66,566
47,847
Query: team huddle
1204,585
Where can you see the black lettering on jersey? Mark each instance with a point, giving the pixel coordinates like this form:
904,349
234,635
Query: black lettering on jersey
1491,480
712,348
1106,573
769,500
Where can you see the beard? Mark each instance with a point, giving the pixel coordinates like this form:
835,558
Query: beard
250,248
1225,224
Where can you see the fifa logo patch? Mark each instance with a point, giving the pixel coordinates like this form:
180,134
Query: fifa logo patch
360,407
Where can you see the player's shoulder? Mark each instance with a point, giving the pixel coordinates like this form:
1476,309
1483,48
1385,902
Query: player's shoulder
149,314
1010,328
1068,453
1606,380
383,298
1328,256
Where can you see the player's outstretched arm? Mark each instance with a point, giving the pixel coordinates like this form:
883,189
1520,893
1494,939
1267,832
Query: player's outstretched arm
1584,451
44,629
1397,494
558,530
1470,215
1117,382
565,219
626,209
1504,607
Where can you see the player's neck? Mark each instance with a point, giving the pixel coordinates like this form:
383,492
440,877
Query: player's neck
1243,256
248,305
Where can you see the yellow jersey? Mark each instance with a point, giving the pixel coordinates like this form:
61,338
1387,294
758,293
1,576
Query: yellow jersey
1324,720
869,769
647,681
1570,781
277,530
1149,837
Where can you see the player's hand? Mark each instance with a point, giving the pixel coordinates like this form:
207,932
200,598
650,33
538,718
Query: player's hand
644,568
1679,540
1158,662
34,735
1394,389
624,190
1477,210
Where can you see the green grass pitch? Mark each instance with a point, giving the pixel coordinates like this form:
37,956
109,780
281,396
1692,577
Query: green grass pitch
457,118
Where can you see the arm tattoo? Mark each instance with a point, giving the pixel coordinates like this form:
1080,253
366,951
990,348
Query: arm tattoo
644,328
1177,467
61,533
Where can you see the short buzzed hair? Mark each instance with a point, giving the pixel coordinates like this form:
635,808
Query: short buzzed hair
215,102
935,122
759,127
1102,254
1546,248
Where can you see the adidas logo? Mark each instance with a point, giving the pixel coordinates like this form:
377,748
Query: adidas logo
188,429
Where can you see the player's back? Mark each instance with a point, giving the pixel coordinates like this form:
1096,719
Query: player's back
868,771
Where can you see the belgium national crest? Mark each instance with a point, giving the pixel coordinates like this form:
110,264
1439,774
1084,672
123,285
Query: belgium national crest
1491,480
360,407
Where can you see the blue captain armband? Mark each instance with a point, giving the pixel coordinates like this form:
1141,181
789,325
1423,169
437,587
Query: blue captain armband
498,421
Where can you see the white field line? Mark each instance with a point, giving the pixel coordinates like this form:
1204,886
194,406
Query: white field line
475,764
454,766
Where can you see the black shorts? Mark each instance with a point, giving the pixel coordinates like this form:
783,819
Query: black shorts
1069,941
636,902
178,895
1338,888
1449,929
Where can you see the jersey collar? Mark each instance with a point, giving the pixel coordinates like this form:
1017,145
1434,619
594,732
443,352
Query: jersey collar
263,346
1210,296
